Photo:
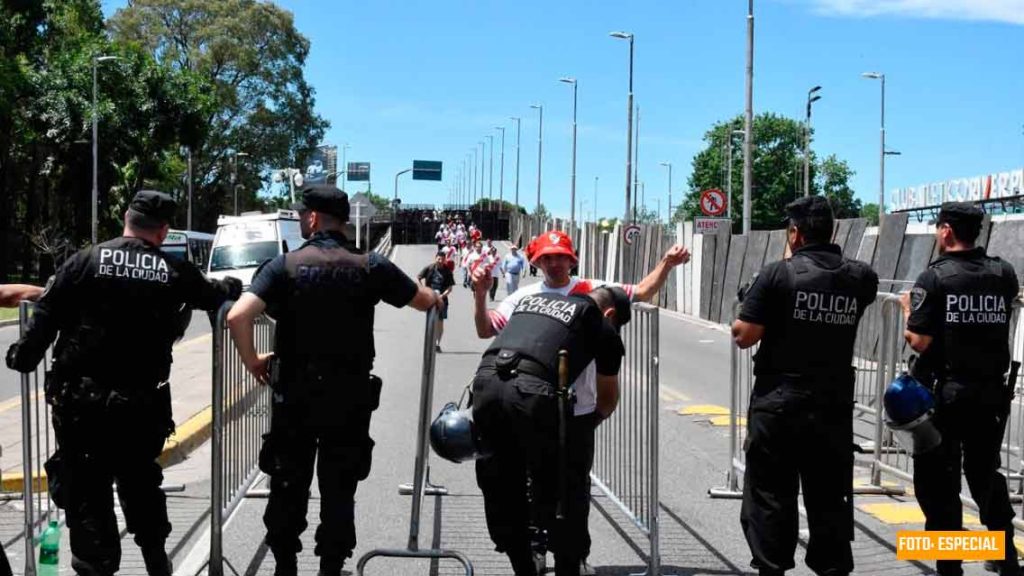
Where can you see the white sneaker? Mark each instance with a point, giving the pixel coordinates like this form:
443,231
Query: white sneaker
586,569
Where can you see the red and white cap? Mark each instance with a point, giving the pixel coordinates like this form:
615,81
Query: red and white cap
550,242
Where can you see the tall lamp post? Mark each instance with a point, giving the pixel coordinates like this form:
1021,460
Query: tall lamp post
728,173
812,97
881,150
483,171
344,165
572,189
518,123
595,198
540,146
95,145
629,120
748,122
669,166
490,170
234,175
501,173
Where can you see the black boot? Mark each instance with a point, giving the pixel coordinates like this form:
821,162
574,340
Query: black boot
286,564
331,566
157,563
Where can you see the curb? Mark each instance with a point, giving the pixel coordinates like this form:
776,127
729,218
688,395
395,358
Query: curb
191,434
11,322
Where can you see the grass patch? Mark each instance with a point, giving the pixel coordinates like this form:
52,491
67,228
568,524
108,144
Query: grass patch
8,313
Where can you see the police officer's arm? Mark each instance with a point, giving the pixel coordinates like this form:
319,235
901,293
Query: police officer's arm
653,282
396,288
55,306
759,301
12,294
240,321
923,311
204,293
608,360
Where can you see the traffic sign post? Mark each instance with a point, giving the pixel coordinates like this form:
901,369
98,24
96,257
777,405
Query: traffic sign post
364,209
426,170
713,202
710,225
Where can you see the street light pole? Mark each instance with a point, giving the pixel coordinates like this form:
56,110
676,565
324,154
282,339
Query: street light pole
881,151
234,177
395,200
490,171
501,174
812,97
636,162
540,146
669,165
189,187
483,172
95,145
572,189
629,121
344,166
595,198
748,123
518,123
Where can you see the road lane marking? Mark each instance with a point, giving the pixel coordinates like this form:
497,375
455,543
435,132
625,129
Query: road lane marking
904,513
704,410
726,420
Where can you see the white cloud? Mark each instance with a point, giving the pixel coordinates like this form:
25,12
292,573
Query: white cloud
1010,11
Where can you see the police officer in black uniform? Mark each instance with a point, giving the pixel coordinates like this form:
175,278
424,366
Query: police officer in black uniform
117,308
958,319
516,411
323,297
805,312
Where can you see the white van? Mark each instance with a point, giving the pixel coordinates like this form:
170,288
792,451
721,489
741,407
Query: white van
245,242
189,246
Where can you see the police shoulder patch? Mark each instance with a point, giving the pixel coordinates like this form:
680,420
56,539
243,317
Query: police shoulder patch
917,297
49,284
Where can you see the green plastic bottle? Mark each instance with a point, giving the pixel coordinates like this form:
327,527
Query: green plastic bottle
49,551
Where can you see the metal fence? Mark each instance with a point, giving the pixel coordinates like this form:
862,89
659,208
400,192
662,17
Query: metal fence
421,469
626,445
241,415
37,445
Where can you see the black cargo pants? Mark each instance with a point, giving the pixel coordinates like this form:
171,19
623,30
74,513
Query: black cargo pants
98,446
797,438
332,430
972,433
518,418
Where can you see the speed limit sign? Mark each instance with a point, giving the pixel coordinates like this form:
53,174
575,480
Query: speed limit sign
713,202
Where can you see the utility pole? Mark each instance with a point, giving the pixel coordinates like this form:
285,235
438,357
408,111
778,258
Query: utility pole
748,124
518,123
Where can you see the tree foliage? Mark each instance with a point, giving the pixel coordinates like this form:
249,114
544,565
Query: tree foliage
778,172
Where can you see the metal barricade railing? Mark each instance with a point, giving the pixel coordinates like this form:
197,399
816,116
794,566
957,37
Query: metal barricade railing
37,445
421,470
869,369
241,415
626,445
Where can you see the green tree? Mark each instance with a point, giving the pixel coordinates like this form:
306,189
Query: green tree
870,212
778,172
541,211
252,57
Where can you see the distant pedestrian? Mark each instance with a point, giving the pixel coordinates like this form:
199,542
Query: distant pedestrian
512,266
438,277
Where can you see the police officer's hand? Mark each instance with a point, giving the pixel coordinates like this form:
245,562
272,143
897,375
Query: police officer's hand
677,255
260,368
481,279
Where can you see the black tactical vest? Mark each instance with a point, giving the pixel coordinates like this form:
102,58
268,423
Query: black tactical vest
327,317
815,337
542,324
974,342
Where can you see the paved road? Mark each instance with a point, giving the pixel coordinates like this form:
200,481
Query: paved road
699,535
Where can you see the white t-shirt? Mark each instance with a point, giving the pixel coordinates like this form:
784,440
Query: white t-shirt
586,384
470,259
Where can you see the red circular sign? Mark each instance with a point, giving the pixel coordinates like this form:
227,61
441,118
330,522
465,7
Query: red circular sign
713,202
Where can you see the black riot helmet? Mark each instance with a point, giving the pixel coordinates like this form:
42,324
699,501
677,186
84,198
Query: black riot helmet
453,435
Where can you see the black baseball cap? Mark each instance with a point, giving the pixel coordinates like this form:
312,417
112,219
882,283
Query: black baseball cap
323,198
808,207
154,204
960,213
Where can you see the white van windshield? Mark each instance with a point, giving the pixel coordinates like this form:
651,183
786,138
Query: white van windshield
247,255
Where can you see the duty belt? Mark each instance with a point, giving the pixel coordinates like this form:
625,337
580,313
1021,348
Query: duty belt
510,364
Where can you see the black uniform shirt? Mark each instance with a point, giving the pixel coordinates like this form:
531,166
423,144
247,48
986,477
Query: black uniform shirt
116,306
544,323
810,318
323,296
964,301
438,278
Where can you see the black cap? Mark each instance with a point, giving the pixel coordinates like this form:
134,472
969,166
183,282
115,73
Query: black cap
154,204
323,198
808,207
960,213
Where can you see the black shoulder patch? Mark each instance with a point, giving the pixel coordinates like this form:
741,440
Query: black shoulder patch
917,297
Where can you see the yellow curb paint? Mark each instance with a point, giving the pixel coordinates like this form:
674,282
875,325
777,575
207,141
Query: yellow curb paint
187,437
704,410
725,420
905,513
13,402
192,341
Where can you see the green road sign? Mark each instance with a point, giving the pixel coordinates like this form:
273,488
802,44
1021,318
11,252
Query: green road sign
426,170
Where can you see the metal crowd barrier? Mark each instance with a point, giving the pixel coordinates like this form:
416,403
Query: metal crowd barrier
421,470
241,415
871,332
37,445
626,445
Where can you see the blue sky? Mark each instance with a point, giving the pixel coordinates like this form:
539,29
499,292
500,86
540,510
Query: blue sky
412,79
